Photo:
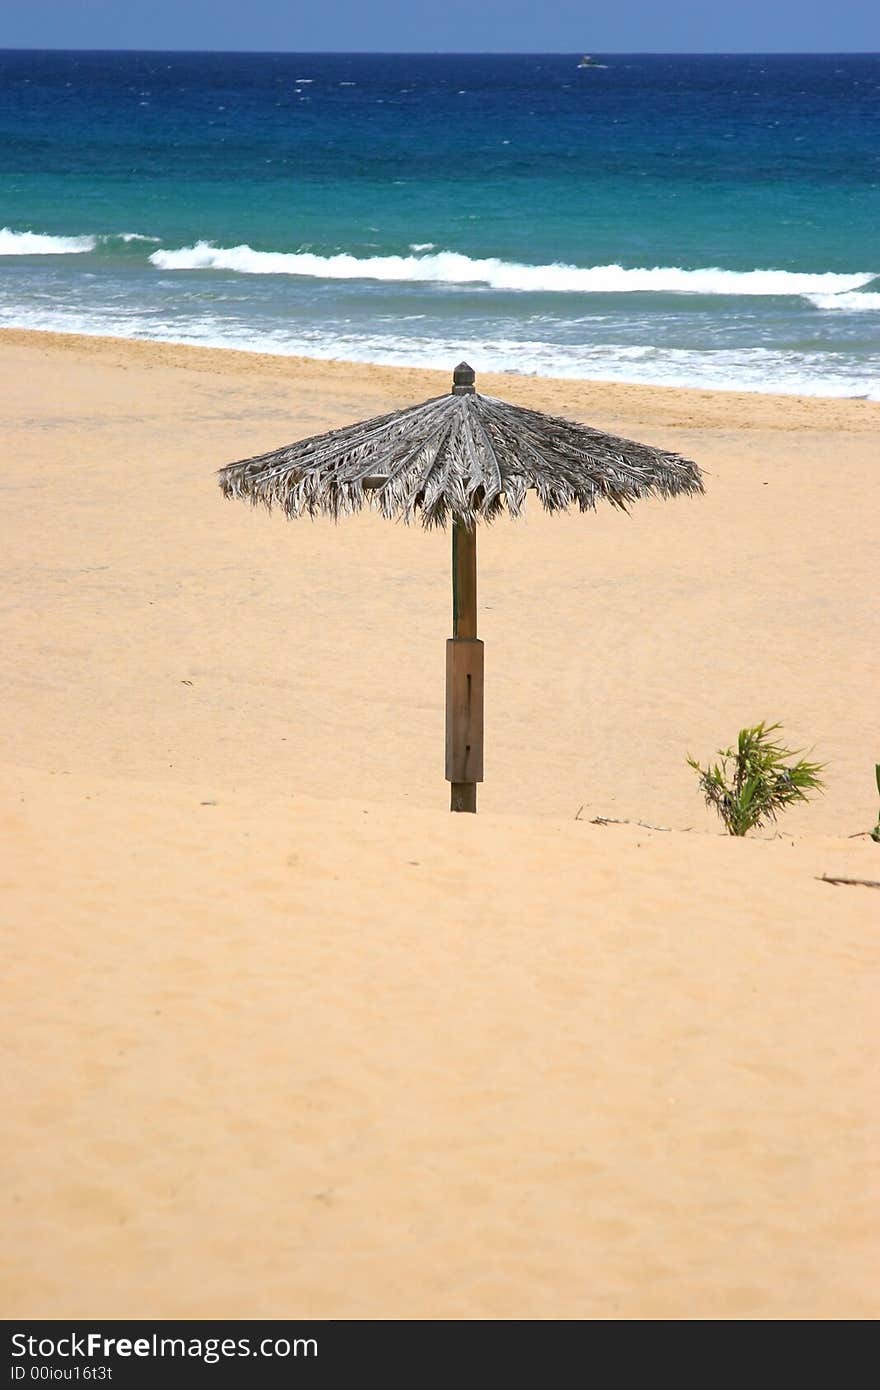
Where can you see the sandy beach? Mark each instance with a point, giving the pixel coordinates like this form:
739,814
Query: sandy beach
290,1040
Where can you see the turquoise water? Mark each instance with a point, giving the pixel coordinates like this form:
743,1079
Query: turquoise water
688,220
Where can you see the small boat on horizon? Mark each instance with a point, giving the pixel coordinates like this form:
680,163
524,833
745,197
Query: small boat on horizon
589,62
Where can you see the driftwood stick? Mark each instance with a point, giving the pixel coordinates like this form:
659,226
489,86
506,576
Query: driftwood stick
612,820
859,882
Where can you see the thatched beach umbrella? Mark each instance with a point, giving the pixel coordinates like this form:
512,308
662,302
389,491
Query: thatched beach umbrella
462,457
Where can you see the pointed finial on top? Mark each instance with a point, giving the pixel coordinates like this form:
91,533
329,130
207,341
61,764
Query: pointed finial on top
463,379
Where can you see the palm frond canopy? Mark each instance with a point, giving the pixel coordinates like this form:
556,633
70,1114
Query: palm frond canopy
462,456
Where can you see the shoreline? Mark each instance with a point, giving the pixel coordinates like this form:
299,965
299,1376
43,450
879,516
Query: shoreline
701,406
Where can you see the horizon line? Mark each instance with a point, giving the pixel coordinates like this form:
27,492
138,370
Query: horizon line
466,53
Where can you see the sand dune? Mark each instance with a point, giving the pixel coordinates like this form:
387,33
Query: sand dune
287,1038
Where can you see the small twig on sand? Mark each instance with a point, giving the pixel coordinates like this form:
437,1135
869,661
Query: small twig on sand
611,820
860,882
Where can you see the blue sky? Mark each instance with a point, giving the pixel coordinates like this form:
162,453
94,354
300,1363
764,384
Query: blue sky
524,26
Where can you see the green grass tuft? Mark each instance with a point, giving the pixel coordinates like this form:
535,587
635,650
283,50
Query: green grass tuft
751,784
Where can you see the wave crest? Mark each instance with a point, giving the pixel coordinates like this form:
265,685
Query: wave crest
857,302
451,267
39,244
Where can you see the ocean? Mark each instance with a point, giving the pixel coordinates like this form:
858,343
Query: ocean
685,220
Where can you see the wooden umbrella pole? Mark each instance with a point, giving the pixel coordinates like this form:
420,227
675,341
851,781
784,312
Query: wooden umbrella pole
464,676
464,654
464,581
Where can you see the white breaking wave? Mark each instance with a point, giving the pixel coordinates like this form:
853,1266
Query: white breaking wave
38,244
131,236
856,302
453,268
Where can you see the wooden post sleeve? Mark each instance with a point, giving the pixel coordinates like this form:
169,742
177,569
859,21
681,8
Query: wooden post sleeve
464,709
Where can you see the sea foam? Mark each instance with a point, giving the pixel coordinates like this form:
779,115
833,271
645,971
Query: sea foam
778,372
38,244
453,268
858,302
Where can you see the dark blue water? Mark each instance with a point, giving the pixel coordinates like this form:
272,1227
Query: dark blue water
707,220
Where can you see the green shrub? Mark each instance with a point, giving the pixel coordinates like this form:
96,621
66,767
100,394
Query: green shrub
754,782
